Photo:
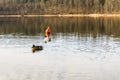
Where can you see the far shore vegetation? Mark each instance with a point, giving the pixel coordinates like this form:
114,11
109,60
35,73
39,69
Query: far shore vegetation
65,15
30,8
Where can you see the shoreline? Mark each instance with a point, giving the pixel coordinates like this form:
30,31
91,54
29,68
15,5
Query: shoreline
65,15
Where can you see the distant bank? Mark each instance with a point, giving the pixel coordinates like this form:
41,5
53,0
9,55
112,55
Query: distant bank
65,15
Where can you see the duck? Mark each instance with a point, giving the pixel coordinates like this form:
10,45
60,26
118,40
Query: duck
37,48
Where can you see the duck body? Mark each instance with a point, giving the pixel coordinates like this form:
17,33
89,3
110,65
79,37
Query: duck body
36,48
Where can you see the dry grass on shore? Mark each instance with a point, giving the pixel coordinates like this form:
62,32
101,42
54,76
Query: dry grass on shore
66,15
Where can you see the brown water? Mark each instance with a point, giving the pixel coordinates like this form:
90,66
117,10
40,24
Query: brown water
81,49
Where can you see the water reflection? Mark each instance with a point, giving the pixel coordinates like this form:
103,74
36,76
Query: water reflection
81,49
83,26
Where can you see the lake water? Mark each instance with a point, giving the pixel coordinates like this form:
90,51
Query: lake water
82,48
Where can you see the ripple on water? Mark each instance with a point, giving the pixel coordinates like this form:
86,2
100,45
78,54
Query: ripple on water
62,59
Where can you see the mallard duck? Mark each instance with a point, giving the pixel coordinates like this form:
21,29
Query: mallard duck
36,48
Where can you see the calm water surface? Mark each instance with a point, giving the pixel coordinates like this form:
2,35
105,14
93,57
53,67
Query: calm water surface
81,49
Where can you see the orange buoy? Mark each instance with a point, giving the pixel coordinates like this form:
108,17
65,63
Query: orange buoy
47,32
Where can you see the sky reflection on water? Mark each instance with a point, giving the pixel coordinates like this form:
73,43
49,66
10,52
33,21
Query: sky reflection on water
75,53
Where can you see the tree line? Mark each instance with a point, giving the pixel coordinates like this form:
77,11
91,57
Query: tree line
59,6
